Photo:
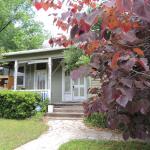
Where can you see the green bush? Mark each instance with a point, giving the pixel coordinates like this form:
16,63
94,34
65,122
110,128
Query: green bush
19,105
96,120
43,105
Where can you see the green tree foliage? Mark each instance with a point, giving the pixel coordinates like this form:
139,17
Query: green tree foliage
18,28
74,58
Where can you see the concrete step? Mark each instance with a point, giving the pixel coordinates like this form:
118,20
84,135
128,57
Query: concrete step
66,114
68,110
68,104
65,118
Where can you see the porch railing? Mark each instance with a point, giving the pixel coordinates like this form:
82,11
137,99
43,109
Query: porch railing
43,93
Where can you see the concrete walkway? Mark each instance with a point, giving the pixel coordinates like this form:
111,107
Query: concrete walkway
61,131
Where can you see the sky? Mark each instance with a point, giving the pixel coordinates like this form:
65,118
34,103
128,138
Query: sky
43,16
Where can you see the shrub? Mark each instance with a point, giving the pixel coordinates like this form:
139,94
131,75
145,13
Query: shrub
19,105
43,105
96,120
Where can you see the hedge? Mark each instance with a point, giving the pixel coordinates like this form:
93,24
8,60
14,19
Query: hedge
19,104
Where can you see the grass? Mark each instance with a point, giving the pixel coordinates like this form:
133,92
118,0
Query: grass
14,133
97,120
104,145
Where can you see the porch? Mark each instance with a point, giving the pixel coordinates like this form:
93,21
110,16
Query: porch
42,71
40,76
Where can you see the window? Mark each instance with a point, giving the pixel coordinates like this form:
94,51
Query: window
40,81
41,66
21,76
4,71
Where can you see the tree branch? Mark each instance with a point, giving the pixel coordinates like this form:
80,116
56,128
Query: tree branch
11,19
127,45
141,73
8,23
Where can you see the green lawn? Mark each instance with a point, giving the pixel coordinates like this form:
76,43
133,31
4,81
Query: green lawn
14,133
103,145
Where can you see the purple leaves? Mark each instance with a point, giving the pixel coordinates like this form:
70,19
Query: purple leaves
92,18
144,106
112,123
122,93
108,92
95,104
142,9
126,82
125,96
119,54
80,72
126,135
122,100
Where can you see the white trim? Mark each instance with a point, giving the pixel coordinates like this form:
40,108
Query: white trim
34,90
86,87
29,80
37,61
15,74
71,82
34,75
63,82
33,51
32,57
25,75
50,108
50,79
22,62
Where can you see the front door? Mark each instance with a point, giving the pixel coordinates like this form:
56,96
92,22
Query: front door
74,90
79,89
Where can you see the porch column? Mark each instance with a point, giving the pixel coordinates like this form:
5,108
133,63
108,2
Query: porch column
15,74
49,78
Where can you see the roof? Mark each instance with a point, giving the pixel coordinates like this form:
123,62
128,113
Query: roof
33,51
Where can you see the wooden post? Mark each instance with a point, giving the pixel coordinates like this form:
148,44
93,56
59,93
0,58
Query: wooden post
49,78
15,74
